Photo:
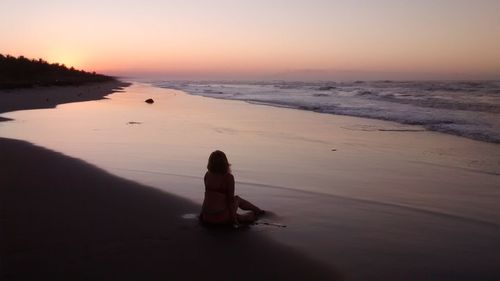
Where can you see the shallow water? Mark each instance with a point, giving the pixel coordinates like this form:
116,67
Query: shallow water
353,192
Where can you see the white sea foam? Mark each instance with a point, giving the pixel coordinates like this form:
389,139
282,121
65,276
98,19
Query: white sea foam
469,109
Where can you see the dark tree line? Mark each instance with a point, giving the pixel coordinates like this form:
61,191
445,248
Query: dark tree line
22,72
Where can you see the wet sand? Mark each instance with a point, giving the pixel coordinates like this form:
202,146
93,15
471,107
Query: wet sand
50,97
363,197
64,219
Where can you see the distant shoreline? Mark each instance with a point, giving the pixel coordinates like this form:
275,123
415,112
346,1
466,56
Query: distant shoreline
51,96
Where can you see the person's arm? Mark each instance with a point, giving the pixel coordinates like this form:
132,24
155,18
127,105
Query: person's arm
203,206
230,198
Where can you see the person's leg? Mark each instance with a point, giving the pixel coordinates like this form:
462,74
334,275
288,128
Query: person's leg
245,205
248,217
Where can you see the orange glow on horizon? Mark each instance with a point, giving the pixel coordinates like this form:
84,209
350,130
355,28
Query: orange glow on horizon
66,57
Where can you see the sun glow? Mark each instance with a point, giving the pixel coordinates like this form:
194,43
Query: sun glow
65,56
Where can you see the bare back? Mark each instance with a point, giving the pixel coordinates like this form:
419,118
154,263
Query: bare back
219,193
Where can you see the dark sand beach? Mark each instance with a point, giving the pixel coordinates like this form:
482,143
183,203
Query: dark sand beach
64,219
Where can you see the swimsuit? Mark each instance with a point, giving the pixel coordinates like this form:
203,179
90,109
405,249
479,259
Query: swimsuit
215,216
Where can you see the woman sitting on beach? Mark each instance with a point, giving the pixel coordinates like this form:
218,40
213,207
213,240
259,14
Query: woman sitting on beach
220,205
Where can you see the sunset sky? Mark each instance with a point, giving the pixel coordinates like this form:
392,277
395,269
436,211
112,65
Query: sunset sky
260,38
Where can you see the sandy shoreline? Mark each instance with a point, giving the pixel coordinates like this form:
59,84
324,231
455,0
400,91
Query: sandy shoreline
383,206
50,97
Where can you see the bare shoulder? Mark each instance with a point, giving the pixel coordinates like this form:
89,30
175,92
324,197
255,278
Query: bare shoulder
225,177
229,177
206,176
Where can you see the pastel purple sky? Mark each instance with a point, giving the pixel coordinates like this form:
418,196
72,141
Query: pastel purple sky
313,39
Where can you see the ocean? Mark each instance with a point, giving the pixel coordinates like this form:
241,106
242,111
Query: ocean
469,109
